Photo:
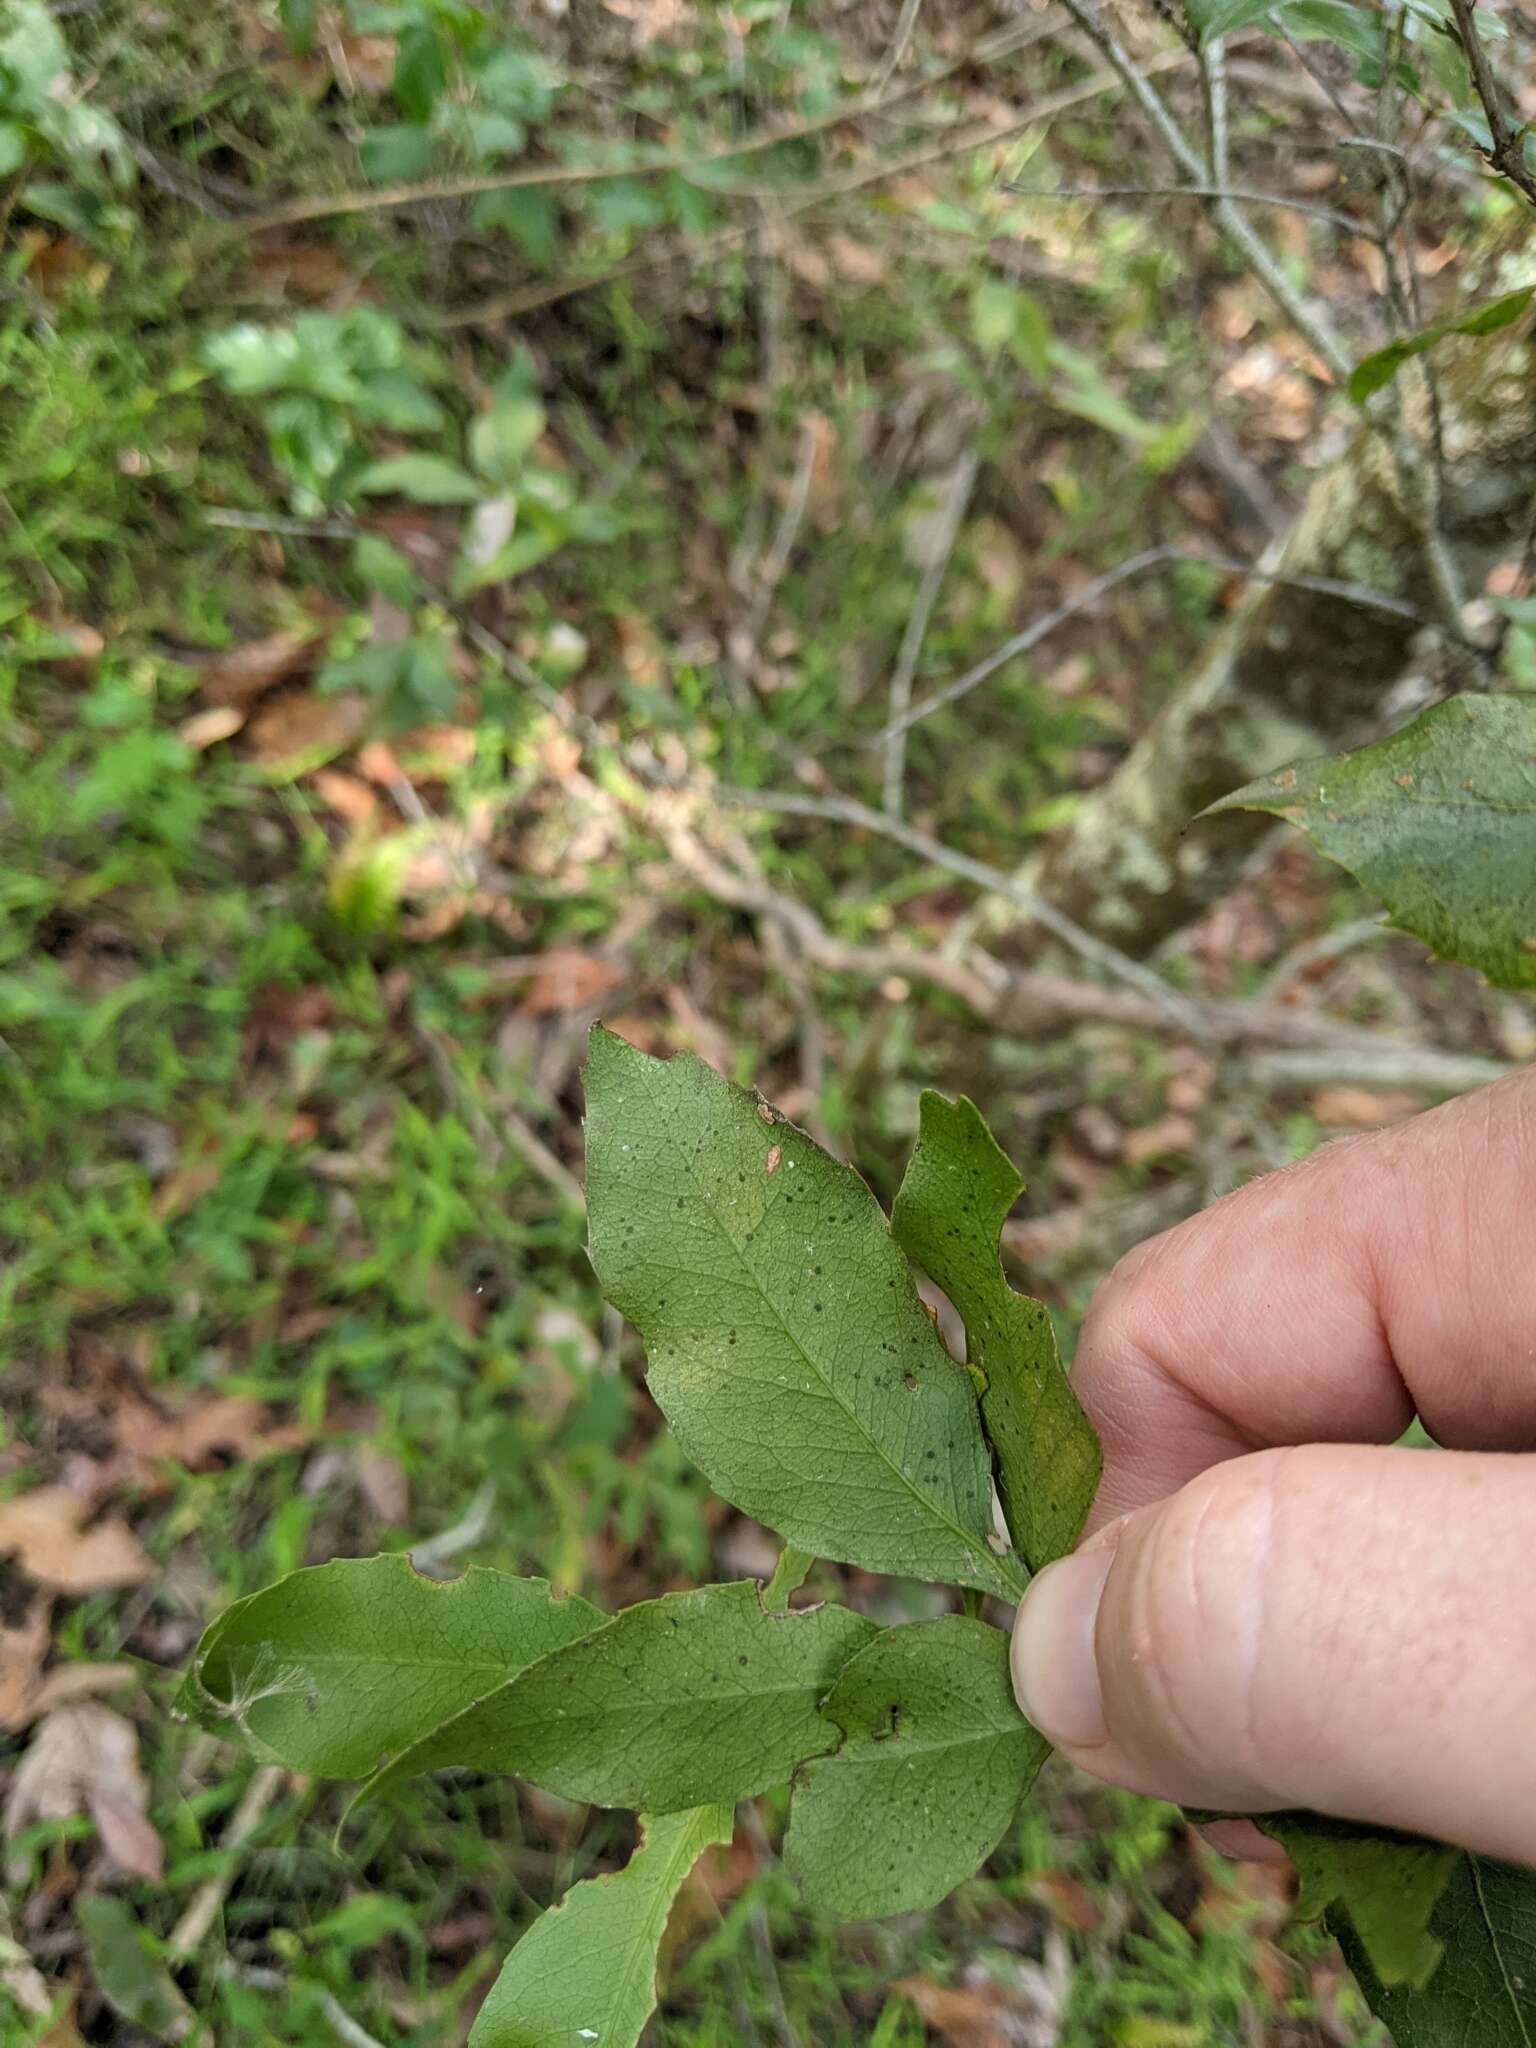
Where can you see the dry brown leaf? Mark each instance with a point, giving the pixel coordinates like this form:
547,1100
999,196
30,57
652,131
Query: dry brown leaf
204,729
364,64
227,1422
299,270
857,260
85,643
651,19
84,1758
294,726
960,2018
352,801
43,1529
1066,1899
569,979
1361,1109
22,1651
239,675
382,1482
66,1682
1156,1141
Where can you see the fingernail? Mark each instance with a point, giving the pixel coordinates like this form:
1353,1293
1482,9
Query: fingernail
1055,1673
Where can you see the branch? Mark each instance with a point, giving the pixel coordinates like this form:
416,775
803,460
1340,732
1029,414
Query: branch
1344,222
950,514
845,811
1134,565
1506,151
1030,1003
1315,329
330,206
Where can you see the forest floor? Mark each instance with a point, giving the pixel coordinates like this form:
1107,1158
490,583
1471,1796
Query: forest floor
320,851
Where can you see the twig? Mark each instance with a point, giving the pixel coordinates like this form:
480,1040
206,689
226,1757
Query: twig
1361,931
844,810
1149,558
762,1938
906,22
488,1135
947,524
1343,221
344,2026
388,197
202,1910
786,533
278,522
1021,642
1506,151
1314,327
435,1551
1387,1066
795,201
1028,1002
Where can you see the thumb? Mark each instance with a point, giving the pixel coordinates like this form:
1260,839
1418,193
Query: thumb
1338,1627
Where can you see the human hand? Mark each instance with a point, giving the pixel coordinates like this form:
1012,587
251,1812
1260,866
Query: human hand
1271,1608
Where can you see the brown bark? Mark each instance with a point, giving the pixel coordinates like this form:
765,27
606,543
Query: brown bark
1294,672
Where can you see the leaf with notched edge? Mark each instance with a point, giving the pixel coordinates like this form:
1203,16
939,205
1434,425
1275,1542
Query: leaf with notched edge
677,1701
1483,1993
586,1970
1439,821
1388,1884
339,1666
934,1760
951,1207
787,1345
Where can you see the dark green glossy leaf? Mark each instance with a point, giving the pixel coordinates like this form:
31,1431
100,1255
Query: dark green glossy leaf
1386,1884
1483,1994
1439,821
953,1202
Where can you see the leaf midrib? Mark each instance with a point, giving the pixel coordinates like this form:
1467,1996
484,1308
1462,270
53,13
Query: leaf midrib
976,1546
1493,1942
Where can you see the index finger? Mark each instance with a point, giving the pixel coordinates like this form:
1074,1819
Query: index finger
1385,1275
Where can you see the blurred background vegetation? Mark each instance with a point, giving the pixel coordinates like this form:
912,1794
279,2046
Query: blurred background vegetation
478,486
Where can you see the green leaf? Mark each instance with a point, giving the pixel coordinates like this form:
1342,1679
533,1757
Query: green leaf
529,214
13,148
395,154
421,71
934,1762
424,479
1373,371
127,1969
695,1696
787,1344
1348,26
381,566
951,1207
298,18
585,1972
1483,1995
1388,1884
1211,19
340,1665
500,440
1439,821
